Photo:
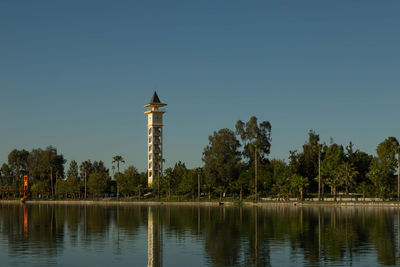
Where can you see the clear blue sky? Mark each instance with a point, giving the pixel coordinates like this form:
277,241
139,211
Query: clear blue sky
76,74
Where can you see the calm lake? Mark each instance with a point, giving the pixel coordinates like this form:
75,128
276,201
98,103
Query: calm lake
86,235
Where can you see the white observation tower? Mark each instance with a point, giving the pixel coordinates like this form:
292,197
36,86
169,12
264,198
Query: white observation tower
154,135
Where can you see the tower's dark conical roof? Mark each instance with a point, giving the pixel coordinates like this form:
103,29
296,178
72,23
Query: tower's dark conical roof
155,102
155,99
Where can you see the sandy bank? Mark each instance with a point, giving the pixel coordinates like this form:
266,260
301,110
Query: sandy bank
211,203
114,202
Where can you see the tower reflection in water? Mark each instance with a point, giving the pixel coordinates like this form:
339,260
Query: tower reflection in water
154,237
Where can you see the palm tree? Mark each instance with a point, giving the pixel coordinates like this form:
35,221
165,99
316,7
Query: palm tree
319,171
118,159
85,166
347,174
334,182
298,183
363,187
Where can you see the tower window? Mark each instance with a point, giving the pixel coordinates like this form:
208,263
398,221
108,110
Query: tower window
150,165
150,156
150,147
150,131
150,139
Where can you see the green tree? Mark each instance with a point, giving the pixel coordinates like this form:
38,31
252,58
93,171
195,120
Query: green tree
36,167
97,183
141,183
382,168
255,135
177,176
363,188
121,181
40,189
169,177
136,181
309,156
221,158
41,165
53,164
257,142
265,179
117,159
73,186
375,175
61,188
299,183
72,182
86,169
240,184
281,177
360,161
126,181
98,166
334,157
7,176
188,183
73,170
18,162
347,174
307,162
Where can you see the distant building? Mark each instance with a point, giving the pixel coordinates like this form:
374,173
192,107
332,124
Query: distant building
154,135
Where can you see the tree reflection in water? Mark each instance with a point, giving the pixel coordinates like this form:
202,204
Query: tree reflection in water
230,236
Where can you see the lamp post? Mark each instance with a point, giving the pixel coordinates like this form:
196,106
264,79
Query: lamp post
319,173
116,183
198,185
398,175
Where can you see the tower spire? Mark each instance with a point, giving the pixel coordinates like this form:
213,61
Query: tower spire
154,99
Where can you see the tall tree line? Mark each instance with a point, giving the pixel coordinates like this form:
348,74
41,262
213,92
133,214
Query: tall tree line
236,165
318,170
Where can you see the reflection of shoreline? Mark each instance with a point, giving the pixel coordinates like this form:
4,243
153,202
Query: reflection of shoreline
116,203
208,204
229,236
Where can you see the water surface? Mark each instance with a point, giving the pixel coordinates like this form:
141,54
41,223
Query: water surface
85,235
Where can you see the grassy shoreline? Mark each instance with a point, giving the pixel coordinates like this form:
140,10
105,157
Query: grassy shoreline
393,204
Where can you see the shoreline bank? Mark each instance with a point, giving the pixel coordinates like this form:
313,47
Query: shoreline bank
207,203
